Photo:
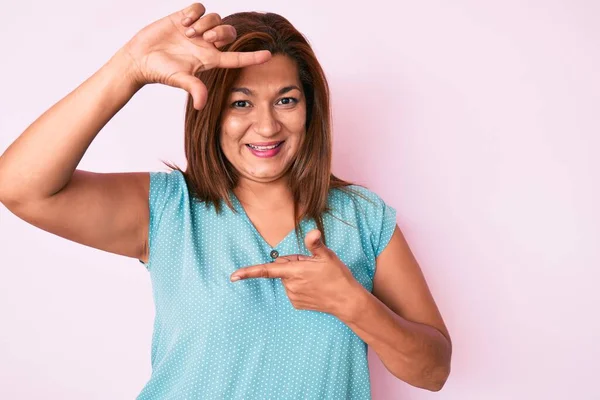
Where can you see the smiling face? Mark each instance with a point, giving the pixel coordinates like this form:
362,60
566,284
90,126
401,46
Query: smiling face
265,108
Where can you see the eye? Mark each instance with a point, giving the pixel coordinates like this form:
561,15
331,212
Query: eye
291,100
236,104
284,101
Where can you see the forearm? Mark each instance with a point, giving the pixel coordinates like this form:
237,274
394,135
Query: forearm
41,161
415,353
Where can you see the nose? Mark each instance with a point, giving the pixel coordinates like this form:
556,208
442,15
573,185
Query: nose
266,124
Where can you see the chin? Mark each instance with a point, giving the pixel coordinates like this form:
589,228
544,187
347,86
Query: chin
265,177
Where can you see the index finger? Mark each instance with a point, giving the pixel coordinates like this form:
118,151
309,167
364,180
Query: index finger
270,270
294,257
239,59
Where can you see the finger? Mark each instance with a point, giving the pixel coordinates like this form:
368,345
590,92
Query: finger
221,33
271,270
205,23
234,59
219,44
315,244
190,14
193,86
293,257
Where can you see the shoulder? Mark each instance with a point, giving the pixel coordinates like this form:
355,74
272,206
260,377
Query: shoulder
355,197
166,185
170,179
168,190
363,207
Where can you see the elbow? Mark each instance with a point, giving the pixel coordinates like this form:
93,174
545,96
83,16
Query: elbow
439,369
428,367
435,378
432,377
437,385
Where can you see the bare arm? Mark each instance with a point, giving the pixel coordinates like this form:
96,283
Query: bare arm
41,161
39,182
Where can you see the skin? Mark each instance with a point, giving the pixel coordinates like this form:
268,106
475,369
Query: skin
265,115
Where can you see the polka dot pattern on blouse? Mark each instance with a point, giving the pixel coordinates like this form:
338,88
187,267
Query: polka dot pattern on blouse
216,339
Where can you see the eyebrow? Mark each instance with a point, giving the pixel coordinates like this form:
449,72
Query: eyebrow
249,92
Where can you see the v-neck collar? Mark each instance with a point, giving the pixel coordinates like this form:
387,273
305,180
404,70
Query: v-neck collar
240,208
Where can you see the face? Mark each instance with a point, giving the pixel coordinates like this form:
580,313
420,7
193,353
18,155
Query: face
263,124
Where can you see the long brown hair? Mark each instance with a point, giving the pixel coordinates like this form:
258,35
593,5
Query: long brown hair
209,175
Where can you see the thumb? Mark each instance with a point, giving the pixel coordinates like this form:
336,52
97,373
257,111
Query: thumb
193,86
314,243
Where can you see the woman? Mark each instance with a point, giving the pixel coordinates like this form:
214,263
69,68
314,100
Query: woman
323,269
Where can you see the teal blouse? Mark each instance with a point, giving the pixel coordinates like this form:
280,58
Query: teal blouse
217,339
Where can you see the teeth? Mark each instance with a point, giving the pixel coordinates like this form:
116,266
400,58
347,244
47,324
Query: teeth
263,148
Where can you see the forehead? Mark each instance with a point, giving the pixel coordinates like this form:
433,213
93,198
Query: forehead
279,71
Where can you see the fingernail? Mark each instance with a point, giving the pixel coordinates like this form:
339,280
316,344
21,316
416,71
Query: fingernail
235,278
186,21
190,32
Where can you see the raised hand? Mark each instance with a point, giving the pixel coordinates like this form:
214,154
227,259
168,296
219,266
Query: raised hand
171,50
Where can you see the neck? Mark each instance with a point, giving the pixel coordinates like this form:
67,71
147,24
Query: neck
264,195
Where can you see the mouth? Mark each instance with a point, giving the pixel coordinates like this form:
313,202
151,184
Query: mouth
265,146
265,150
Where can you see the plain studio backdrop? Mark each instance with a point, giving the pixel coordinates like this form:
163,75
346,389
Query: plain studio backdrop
478,121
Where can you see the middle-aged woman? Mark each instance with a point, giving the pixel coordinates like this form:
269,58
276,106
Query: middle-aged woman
323,270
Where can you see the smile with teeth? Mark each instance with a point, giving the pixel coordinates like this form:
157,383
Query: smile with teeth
264,148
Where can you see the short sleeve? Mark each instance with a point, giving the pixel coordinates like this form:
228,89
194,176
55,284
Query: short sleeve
380,218
164,186
387,224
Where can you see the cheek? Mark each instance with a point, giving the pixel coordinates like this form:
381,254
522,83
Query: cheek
300,119
299,124
232,130
295,122
235,124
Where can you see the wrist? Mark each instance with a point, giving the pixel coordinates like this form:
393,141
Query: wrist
356,299
123,65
